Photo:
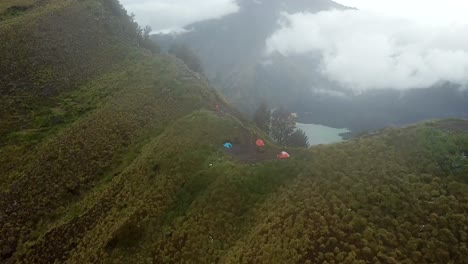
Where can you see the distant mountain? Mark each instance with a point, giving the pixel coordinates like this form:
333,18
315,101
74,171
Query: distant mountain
232,53
382,108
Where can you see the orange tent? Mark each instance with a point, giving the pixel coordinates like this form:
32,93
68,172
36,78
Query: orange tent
259,143
283,155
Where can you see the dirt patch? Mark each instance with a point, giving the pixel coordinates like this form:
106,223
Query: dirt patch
245,150
250,154
456,126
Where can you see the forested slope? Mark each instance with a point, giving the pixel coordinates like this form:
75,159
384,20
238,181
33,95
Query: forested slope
122,163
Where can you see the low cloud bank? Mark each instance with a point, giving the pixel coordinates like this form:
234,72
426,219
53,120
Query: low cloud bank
172,15
364,51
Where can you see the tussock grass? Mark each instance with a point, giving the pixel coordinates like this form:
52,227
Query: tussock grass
121,161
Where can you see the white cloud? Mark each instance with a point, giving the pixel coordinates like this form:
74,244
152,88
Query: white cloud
372,50
172,15
425,11
329,92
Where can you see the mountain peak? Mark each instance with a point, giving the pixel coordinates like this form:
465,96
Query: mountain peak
292,6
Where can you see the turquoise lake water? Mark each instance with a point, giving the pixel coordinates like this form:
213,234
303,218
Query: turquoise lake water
319,134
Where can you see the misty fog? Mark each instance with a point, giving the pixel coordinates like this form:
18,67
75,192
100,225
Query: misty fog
325,57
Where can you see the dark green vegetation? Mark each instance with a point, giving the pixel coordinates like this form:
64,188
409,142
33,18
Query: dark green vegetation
111,154
298,139
281,126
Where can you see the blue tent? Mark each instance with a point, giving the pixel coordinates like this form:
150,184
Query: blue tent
227,145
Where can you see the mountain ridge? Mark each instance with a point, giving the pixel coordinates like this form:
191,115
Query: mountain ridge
126,164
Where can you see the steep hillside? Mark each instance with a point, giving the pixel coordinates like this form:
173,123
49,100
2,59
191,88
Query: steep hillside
78,97
115,156
50,52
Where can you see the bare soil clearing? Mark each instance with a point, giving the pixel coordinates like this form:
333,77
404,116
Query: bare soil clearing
250,154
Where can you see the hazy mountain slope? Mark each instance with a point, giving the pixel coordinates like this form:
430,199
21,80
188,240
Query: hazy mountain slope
232,50
383,108
134,172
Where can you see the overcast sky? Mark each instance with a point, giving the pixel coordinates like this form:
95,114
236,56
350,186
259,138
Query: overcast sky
426,11
386,44
170,15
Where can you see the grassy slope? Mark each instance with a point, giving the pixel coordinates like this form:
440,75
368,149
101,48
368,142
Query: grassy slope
57,146
362,200
48,52
124,176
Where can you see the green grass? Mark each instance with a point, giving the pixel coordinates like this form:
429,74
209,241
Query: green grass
167,193
5,4
53,79
122,163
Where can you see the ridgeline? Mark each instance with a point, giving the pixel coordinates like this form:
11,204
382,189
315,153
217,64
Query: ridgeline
111,152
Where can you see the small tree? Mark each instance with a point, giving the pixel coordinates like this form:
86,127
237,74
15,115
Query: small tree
146,32
298,139
262,117
283,125
146,41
